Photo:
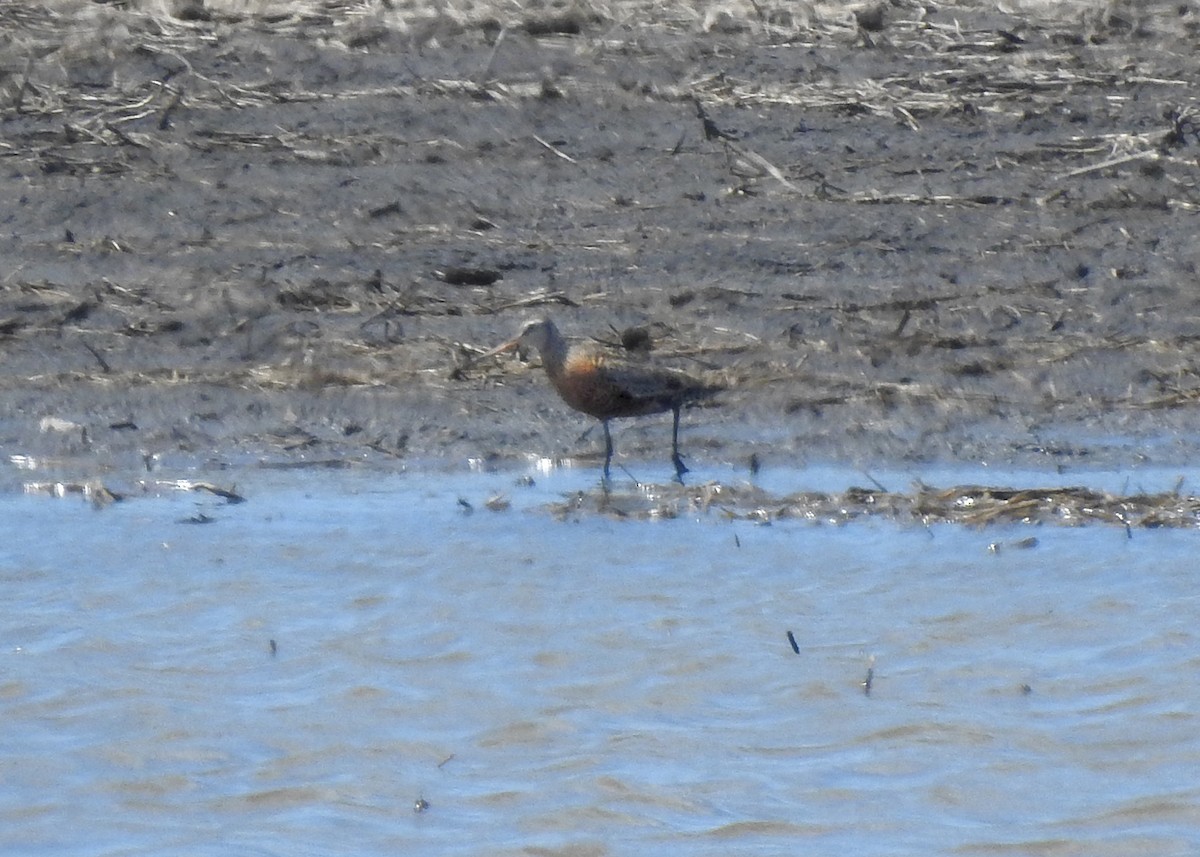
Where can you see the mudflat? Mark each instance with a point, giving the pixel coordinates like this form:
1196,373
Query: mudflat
908,232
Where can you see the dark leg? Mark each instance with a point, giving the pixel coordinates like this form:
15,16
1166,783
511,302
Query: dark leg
607,448
680,467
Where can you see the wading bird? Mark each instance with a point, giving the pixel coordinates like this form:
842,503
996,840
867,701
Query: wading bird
607,389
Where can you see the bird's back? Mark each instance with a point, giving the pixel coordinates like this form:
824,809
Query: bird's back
605,388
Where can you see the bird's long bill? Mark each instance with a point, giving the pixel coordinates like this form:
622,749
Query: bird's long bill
511,345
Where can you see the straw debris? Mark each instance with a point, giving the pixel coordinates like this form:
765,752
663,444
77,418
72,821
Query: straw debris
969,505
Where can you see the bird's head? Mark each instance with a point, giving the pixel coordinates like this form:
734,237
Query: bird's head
538,335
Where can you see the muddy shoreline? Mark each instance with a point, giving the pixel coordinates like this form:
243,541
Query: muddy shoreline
966,236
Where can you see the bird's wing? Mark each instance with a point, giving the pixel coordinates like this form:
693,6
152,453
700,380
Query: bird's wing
649,383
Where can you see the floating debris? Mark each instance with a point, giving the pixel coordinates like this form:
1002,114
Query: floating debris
497,503
57,425
227,494
99,495
870,679
971,505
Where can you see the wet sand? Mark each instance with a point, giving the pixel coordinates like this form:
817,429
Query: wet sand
960,235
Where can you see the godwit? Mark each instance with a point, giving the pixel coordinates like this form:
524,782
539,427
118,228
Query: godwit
606,389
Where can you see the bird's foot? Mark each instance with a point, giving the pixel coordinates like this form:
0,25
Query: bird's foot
680,467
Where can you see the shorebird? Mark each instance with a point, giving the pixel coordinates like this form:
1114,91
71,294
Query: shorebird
607,389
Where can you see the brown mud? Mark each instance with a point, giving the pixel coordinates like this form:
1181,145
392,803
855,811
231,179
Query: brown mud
950,232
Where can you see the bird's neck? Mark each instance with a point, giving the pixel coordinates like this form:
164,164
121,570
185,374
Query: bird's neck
554,355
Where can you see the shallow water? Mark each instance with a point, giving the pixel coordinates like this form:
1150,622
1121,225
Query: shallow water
295,675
